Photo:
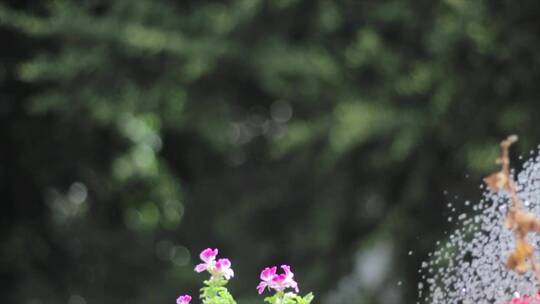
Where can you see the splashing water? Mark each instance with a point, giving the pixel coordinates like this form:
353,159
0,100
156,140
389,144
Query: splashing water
470,267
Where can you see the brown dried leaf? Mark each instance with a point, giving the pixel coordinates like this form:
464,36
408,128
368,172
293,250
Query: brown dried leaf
496,181
517,260
525,222
515,263
524,249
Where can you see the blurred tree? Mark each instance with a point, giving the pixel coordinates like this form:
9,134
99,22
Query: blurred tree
135,133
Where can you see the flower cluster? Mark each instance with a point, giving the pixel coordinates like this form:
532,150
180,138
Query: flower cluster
218,269
215,292
278,282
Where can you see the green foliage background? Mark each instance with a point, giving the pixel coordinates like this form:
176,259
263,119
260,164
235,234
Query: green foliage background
136,133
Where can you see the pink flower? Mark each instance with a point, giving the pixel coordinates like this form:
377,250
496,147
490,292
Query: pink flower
266,278
218,269
222,268
185,299
278,282
207,256
525,300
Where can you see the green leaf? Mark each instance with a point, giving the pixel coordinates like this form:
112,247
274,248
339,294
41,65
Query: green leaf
308,298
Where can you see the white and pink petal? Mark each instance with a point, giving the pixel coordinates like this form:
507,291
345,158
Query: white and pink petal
201,267
208,254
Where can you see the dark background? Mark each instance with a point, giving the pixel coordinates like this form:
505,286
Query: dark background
330,135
